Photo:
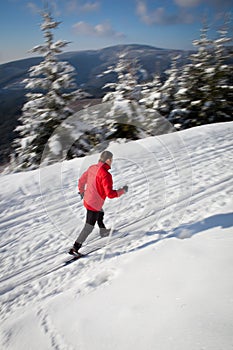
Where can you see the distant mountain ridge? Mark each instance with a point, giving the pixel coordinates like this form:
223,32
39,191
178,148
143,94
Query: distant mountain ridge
89,64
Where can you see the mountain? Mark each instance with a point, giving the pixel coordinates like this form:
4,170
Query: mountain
89,64
166,285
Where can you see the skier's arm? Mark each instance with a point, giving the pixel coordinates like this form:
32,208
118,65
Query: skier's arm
107,184
82,183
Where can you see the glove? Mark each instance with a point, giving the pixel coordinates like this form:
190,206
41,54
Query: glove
81,195
122,191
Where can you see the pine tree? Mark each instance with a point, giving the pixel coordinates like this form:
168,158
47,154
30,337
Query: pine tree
222,87
159,95
47,106
151,93
151,103
194,86
169,88
134,106
125,117
204,91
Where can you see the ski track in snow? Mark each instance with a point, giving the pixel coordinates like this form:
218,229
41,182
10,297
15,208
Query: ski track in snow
56,341
160,204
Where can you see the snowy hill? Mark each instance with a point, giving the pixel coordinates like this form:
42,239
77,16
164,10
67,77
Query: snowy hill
167,284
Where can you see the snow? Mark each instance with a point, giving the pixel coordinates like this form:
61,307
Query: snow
194,103
54,145
166,285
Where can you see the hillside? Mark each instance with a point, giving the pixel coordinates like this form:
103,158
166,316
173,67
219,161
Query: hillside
167,284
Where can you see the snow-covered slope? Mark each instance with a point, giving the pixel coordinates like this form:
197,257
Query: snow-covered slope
165,285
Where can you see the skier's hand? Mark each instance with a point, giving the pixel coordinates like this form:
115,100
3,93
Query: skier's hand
122,191
81,195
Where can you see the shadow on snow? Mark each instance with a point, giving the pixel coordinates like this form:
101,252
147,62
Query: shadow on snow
187,231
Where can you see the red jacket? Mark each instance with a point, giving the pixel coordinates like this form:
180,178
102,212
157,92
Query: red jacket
96,184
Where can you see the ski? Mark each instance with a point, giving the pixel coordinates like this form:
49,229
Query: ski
73,258
91,248
78,256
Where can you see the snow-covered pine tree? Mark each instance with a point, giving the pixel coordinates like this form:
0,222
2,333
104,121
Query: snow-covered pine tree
151,103
193,86
125,116
200,98
178,115
221,108
47,106
134,106
169,88
159,95
151,93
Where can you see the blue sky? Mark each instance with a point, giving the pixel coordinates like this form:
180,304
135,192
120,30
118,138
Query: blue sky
94,24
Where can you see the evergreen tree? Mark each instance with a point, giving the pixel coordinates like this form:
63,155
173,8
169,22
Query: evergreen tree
47,106
222,89
169,88
151,93
134,106
193,83
125,117
151,103
204,92
160,95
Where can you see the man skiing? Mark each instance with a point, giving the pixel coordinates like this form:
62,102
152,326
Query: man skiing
94,186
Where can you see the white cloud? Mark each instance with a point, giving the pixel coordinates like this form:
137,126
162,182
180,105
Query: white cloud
99,30
141,8
78,6
188,3
33,7
71,6
83,28
90,6
52,5
182,14
160,16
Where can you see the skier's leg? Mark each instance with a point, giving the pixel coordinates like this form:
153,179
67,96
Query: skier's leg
91,218
81,238
100,219
87,229
104,232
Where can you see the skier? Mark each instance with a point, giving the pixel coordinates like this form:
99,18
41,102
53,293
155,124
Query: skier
94,186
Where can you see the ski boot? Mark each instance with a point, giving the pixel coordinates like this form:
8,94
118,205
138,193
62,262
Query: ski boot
75,249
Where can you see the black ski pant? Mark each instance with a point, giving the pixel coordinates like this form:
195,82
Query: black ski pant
91,218
95,216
